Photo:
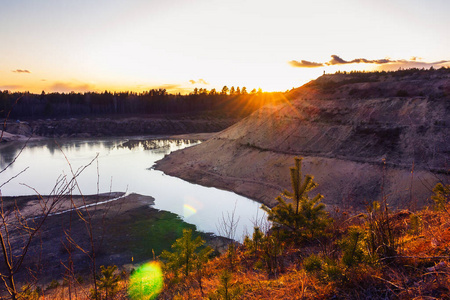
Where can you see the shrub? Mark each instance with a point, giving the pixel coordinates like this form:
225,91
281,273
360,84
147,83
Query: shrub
380,238
352,246
53,285
415,224
441,196
312,263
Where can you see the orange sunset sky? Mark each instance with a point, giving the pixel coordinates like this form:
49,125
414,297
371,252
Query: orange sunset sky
137,45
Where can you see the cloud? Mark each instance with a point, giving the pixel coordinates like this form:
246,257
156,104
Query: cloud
64,87
11,87
336,60
305,64
200,81
170,86
405,64
21,71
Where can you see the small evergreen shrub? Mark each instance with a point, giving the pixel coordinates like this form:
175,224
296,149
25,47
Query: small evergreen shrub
312,263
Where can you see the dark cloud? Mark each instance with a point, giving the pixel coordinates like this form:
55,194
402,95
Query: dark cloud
305,64
21,71
336,60
200,81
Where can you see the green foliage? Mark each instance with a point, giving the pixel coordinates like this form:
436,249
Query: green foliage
331,271
53,285
352,246
302,218
441,196
155,234
27,293
268,248
109,281
380,237
226,290
254,244
326,269
272,251
415,224
312,263
188,254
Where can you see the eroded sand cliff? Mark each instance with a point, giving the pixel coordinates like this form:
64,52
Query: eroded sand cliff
360,140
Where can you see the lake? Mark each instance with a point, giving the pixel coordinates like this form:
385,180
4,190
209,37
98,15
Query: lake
122,165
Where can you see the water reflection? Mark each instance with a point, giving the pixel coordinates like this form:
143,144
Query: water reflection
123,166
157,144
7,155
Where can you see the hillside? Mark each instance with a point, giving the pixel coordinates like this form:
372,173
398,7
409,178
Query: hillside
361,135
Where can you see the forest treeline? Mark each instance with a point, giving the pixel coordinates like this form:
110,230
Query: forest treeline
233,102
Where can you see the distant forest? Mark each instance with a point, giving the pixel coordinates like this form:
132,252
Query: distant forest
233,102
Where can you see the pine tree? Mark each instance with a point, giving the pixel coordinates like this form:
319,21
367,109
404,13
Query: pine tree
226,290
108,282
188,254
296,214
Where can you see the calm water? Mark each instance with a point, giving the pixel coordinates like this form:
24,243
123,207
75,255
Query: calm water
124,166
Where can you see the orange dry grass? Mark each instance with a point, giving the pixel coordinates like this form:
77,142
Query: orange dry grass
434,238
421,270
293,283
81,292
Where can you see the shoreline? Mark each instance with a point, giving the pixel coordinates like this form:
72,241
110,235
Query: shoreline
127,229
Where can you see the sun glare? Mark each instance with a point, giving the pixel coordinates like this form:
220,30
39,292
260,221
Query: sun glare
146,282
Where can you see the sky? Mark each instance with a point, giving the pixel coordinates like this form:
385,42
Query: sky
137,45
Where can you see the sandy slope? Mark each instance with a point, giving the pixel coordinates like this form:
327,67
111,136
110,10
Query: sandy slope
357,149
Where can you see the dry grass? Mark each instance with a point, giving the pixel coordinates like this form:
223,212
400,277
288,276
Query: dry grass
421,270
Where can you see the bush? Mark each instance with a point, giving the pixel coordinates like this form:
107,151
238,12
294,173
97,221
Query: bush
53,285
415,224
352,246
312,263
441,196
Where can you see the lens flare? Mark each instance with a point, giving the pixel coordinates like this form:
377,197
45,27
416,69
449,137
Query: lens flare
188,210
146,282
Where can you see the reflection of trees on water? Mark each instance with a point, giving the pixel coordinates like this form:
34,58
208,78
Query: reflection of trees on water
7,155
160,145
